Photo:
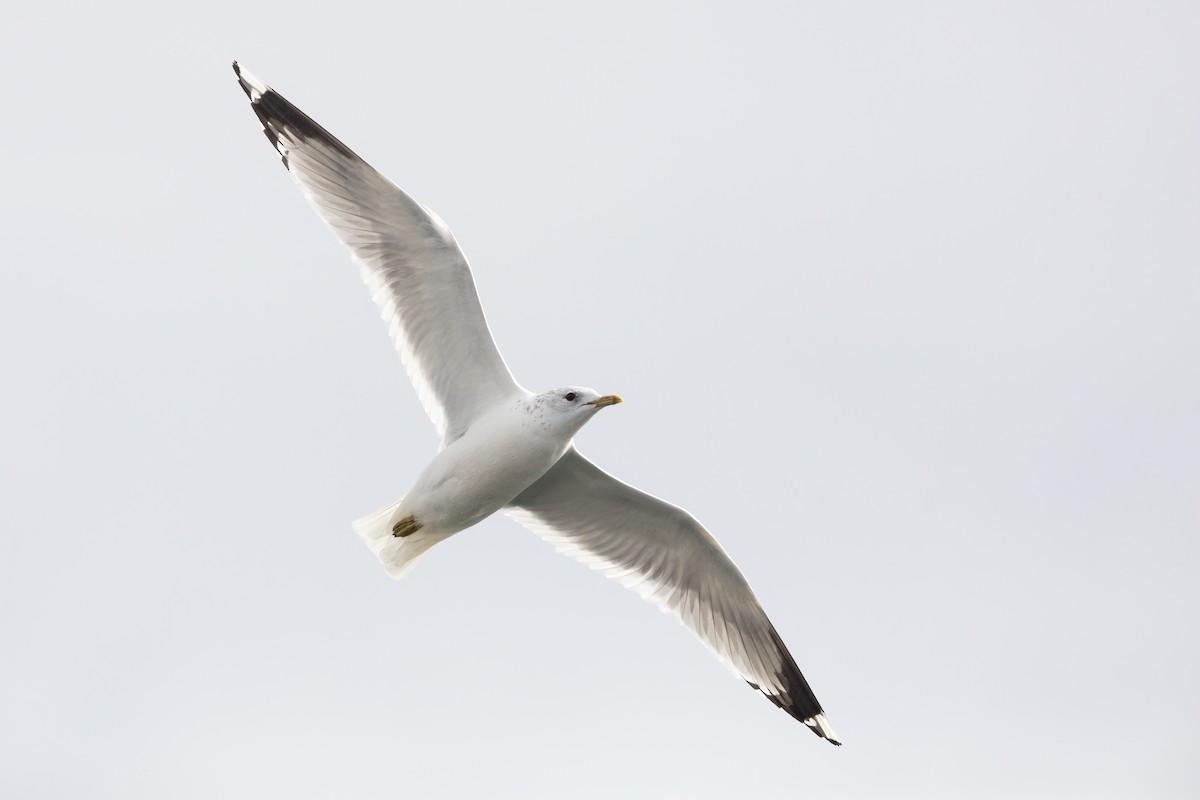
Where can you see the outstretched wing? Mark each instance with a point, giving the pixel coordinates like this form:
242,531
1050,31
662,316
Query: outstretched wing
665,555
409,259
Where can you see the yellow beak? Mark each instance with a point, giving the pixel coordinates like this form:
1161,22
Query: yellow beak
607,400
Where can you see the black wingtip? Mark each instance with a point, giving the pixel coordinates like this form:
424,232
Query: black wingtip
283,121
245,87
796,697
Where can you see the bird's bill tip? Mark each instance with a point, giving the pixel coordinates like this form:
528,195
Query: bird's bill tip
607,400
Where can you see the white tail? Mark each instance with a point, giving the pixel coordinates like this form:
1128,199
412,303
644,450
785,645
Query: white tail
397,554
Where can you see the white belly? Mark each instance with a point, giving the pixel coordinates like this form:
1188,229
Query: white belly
477,475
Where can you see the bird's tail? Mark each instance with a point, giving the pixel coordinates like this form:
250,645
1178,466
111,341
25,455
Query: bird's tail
398,554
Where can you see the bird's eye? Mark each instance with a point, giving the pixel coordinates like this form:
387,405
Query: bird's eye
570,396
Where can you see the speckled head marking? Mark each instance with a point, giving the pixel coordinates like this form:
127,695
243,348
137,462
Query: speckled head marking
568,408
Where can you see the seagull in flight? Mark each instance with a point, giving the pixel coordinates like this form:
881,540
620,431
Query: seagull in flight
505,448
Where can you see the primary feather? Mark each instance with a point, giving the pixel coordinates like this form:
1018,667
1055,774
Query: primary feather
415,270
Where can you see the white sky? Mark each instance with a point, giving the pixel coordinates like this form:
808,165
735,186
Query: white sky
902,299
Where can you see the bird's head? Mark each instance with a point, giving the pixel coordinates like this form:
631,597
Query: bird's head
571,406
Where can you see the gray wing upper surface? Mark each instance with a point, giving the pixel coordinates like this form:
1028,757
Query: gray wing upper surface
665,555
415,270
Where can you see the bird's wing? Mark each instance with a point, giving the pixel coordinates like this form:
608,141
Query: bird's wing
665,555
409,259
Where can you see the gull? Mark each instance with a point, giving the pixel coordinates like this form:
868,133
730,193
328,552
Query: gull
503,447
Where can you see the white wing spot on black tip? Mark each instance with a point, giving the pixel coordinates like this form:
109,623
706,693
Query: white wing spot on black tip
281,119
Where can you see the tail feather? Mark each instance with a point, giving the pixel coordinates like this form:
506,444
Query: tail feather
397,554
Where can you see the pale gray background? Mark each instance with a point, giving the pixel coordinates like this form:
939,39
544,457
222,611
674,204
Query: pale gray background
901,297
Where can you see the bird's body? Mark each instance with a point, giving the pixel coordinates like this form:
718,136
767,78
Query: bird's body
503,447
478,474
504,452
